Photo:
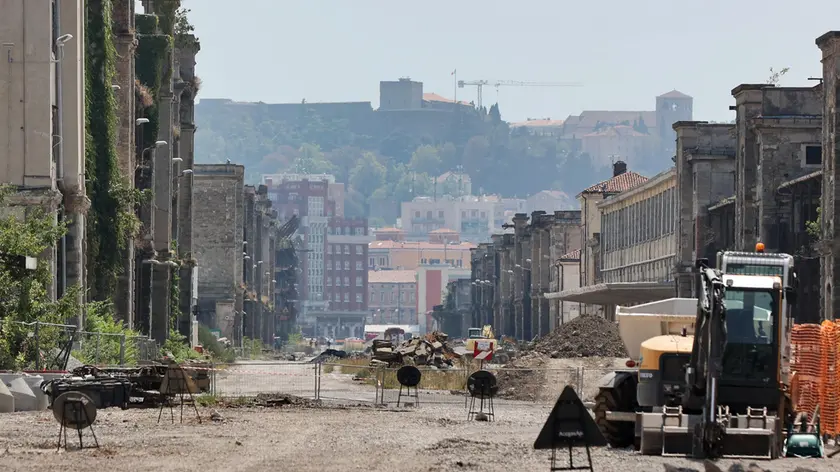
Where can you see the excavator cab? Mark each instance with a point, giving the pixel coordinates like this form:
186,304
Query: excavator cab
725,376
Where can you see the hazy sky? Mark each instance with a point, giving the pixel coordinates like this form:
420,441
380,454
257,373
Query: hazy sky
623,52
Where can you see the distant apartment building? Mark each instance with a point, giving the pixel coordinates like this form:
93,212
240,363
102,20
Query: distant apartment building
392,296
296,194
453,183
441,248
334,255
642,138
346,271
474,218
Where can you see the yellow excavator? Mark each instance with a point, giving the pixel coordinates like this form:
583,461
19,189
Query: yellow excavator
716,384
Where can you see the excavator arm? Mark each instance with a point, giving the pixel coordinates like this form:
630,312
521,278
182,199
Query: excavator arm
704,369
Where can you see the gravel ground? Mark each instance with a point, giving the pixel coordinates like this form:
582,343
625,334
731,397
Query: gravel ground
430,438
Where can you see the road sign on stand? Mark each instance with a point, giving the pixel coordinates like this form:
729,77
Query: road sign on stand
483,350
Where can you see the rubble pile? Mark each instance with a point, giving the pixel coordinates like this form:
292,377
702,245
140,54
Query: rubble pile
521,379
584,336
429,350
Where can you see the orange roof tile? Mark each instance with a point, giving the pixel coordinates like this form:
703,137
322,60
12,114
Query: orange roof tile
443,230
387,230
391,276
619,183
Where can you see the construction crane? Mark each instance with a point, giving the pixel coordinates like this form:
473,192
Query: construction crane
479,84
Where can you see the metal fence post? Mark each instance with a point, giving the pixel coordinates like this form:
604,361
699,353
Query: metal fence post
97,349
37,346
122,349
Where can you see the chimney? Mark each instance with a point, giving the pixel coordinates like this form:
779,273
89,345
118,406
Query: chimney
619,168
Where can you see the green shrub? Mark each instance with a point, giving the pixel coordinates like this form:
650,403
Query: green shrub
218,352
104,349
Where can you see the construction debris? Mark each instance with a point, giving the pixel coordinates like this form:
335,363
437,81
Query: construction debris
522,379
584,336
429,350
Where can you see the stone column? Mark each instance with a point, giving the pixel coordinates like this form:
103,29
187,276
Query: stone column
125,43
520,220
748,106
829,44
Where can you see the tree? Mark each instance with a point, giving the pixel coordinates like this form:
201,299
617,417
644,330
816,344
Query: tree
24,296
343,160
475,154
311,161
368,175
495,115
776,75
449,157
426,160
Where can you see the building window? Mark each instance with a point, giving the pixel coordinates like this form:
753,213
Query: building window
813,155
440,214
359,265
382,297
329,248
417,214
371,262
329,282
359,249
360,231
346,249
358,281
346,281
346,297
382,261
338,281
346,265
358,298
434,261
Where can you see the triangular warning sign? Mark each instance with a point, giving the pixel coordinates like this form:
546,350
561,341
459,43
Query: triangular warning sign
569,424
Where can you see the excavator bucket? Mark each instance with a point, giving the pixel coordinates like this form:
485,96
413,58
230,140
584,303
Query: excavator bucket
671,432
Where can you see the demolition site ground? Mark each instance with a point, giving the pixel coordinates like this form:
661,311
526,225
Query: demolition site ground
308,437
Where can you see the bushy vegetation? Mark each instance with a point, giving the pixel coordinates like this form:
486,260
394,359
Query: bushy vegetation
105,348
24,295
213,347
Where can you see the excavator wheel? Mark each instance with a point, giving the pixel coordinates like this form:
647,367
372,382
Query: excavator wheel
620,397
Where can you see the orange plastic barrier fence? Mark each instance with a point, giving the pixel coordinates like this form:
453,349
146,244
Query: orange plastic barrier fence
815,362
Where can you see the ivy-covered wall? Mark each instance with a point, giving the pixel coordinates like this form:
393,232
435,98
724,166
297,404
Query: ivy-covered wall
152,50
109,223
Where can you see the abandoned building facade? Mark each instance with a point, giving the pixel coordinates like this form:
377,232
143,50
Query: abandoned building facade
769,177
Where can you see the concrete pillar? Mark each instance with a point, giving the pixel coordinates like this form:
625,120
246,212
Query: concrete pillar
520,220
748,106
125,43
829,44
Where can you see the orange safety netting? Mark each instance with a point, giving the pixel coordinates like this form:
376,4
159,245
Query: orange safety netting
815,358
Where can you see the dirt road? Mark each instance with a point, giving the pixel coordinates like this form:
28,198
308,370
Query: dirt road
429,438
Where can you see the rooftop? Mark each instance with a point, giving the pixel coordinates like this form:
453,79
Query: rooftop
619,183
433,97
674,94
391,276
420,245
